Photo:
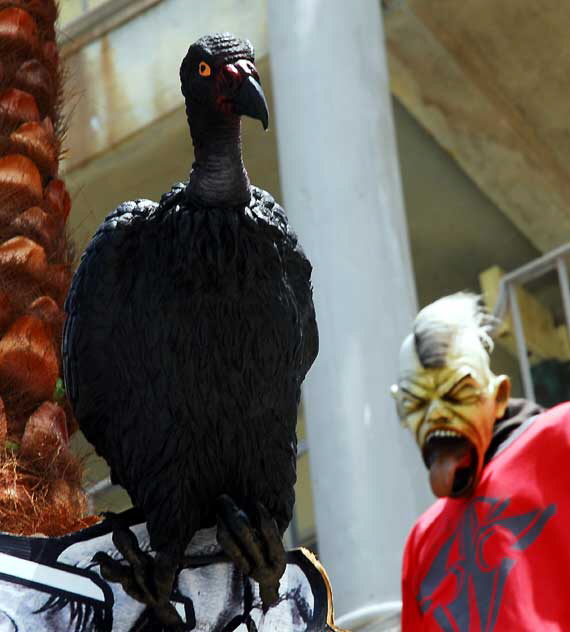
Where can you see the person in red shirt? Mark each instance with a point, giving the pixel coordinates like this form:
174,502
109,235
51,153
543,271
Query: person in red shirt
491,555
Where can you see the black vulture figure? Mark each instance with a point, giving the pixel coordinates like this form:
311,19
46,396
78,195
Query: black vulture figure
190,328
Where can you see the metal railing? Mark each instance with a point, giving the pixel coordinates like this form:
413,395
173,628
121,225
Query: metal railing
382,617
507,300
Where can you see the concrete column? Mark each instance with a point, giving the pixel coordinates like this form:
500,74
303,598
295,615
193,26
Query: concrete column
342,192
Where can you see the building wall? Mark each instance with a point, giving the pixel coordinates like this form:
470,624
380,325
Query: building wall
455,230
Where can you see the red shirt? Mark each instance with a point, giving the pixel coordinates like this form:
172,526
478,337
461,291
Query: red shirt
500,560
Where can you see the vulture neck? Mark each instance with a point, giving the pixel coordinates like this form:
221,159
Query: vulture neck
218,176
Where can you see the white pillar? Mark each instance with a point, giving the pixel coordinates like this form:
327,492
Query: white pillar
342,192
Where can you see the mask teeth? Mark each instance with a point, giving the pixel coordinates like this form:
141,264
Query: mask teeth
443,433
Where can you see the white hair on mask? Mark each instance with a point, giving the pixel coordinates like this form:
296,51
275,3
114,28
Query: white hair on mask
437,325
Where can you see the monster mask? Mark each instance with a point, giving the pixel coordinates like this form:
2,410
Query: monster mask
447,394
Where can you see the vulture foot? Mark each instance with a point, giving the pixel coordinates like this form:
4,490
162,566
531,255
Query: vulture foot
255,548
144,578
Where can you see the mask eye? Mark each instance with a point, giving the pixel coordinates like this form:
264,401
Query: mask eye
204,69
463,393
409,405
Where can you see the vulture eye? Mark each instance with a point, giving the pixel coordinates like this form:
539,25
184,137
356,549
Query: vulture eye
204,69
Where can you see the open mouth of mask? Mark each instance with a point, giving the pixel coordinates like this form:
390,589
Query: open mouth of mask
452,462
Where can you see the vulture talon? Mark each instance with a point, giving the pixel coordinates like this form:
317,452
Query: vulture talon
256,549
146,579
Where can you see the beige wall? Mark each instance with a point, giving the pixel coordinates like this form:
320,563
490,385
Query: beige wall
70,10
455,230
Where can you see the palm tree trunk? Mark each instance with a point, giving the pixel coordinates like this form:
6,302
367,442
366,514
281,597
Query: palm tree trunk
40,480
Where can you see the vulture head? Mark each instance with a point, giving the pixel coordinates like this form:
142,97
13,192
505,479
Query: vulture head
219,80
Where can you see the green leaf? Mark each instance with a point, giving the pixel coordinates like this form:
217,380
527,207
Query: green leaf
12,446
59,392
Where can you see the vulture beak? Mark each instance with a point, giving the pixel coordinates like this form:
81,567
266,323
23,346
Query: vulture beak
249,99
